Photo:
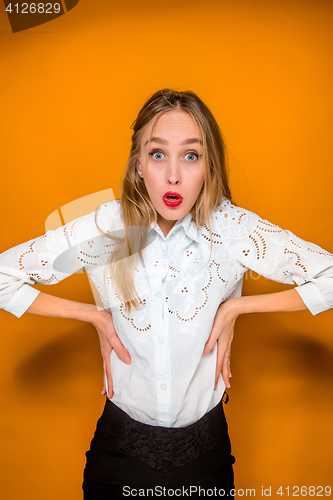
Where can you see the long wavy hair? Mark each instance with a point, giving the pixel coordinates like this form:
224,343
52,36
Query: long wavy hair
137,209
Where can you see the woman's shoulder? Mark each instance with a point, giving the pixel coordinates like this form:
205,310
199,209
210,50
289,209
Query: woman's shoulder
108,217
105,219
229,215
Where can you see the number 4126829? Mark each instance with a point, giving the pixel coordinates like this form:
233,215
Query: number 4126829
303,491
34,8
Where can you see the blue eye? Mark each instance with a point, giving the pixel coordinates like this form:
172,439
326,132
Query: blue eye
157,155
191,156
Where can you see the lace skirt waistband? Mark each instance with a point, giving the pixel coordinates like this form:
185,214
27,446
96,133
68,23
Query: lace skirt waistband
126,452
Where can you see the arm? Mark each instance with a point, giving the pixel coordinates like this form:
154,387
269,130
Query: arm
227,313
47,305
78,245
276,254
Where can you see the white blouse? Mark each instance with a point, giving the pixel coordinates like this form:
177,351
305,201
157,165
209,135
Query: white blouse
181,280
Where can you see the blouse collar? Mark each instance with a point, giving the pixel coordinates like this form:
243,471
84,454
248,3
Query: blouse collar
187,223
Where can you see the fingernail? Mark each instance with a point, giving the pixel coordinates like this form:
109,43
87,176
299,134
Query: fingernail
204,353
127,360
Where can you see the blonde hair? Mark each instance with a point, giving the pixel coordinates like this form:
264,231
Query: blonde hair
137,209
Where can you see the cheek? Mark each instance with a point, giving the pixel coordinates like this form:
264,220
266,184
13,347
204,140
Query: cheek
197,181
152,183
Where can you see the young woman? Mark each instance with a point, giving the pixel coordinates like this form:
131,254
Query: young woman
168,260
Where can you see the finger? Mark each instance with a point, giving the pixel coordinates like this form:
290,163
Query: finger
104,384
108,378
214,335
221,351
226,372
224,368
215,331
122,353
223,362
218,371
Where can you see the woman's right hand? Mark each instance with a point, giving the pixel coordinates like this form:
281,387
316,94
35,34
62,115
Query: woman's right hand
109,340
48,305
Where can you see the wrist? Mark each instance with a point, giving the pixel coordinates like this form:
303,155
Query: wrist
99,317
234,306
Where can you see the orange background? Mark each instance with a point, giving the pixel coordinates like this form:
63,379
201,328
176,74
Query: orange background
69,91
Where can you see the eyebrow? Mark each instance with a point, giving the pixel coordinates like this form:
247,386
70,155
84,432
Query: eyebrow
159,140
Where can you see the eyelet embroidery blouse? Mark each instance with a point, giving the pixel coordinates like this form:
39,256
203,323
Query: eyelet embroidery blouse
181,280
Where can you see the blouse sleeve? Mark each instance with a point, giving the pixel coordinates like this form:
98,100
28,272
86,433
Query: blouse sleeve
49,259
281,256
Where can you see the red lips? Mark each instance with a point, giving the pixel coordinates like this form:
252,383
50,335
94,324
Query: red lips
172,199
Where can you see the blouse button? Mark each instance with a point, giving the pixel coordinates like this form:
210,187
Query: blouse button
163,387
157,294
160,340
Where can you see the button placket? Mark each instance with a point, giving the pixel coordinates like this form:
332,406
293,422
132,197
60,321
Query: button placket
161,339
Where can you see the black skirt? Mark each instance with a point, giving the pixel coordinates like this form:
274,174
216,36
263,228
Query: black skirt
129,459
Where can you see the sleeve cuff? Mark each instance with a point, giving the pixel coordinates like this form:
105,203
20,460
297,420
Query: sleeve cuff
312,298
21,301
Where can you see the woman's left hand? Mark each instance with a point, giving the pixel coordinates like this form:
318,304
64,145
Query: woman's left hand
222,333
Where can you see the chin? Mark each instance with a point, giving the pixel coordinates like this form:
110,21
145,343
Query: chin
173,214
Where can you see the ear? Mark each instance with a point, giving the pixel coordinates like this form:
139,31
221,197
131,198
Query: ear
138,168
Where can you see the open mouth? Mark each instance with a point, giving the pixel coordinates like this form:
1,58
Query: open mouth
172,199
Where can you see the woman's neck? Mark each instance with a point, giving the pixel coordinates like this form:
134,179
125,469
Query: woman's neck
165,225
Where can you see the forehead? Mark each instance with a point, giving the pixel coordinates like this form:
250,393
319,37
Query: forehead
172,125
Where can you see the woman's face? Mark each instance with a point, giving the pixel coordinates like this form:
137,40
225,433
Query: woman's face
172,166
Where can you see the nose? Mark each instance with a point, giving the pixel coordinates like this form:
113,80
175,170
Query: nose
173,172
